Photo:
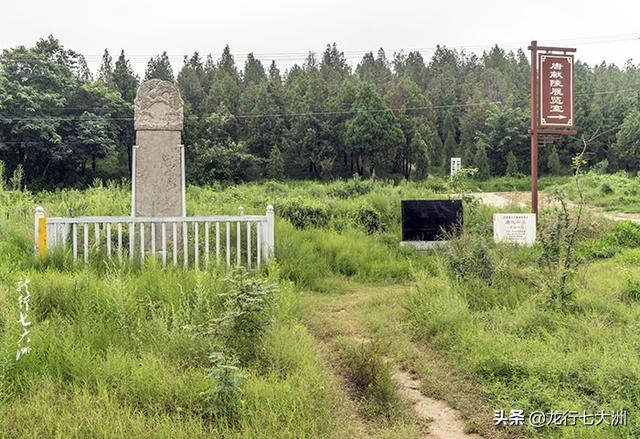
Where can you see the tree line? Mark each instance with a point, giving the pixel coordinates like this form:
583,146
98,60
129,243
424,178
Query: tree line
400,116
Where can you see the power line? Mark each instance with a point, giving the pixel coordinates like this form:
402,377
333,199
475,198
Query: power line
356,54
323,113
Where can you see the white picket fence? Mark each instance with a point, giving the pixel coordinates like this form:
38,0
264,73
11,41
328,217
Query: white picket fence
194,241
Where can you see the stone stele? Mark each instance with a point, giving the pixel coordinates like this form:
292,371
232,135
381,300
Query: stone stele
157,174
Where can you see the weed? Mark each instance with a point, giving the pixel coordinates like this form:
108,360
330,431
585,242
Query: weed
249,306
223,399
370,375
631,291
468,255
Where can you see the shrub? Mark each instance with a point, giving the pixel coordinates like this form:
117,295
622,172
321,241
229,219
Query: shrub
249,307
351,188
624,234
468,256
370,219
600,167
631,291
304,214
222,400
606,188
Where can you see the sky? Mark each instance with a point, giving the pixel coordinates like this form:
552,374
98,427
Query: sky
286,30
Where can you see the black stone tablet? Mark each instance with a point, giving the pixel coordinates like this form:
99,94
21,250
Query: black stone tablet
427,220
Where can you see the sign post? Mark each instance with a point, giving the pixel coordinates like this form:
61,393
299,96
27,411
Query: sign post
551,101
456,165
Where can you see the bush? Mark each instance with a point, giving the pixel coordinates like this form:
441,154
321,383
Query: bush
222,401
354,187
631,292
249,306
606,188
624,234
600,167
303,214
370,219
468,256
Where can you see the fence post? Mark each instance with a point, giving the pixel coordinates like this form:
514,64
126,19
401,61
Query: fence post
269,235
40,232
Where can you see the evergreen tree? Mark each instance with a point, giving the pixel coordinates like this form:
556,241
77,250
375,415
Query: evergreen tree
105,72
190,83
626,150
275,164
373,133
274,73
481,161
553,162
512,165
159,67
450,147
253,70
124,79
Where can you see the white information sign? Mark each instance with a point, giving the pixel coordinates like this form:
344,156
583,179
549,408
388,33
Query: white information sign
514,228
456,164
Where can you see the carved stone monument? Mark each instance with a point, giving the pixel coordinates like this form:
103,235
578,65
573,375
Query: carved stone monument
158,178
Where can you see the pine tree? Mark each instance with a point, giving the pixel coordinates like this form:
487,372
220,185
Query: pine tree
159,67
481,161
124,79
275,164
419,157
105,72
274,73
512,165
553,162
450,147
253,70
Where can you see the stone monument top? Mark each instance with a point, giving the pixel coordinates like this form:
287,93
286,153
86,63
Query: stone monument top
158,106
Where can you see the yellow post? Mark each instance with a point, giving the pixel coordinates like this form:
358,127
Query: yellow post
42,237
40,233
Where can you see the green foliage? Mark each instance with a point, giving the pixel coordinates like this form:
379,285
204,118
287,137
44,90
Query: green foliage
275,164
512,165
504,130
223,400
17,178
468,256
373,133
351,188
553,162
622,236
631,291
600,167
2,175
370,375
248,310
370,219
481,161
388,118
626,149
159,67
303,214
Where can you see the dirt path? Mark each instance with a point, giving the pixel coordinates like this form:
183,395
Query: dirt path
445,422
441,402
522,199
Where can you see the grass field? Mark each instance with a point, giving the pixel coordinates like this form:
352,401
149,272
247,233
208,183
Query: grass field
308,346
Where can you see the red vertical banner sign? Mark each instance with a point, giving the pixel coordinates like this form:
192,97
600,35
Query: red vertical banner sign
551,101
555,90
